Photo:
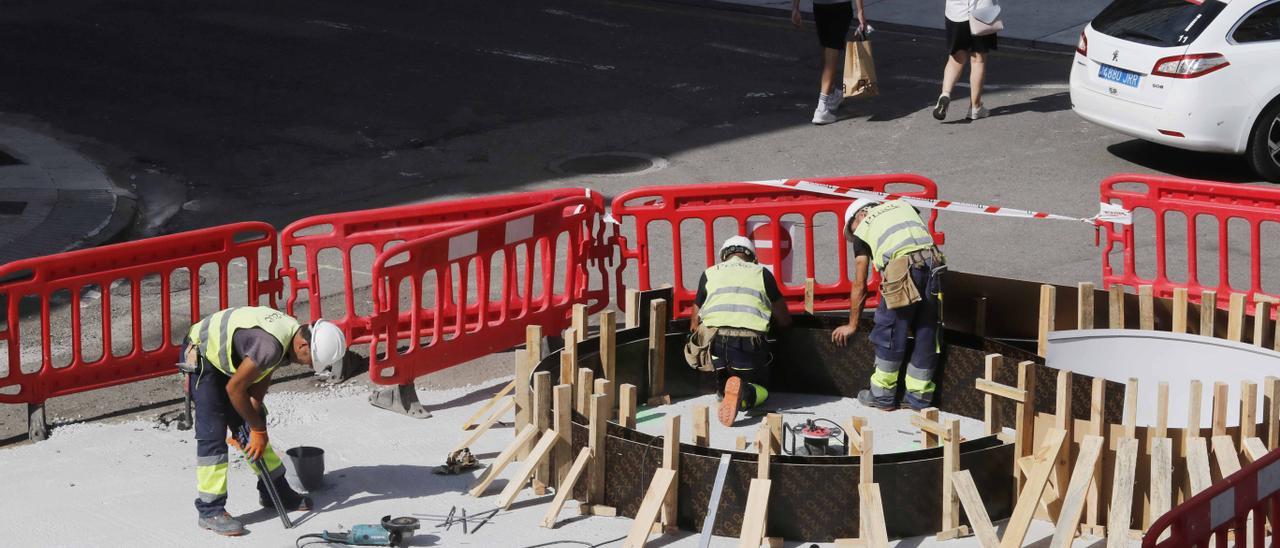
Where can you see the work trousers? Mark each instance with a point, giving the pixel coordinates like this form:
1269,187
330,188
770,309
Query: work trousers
746,358
215,419
891,334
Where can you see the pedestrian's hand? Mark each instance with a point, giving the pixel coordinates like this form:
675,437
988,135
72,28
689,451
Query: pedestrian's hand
862,28
257,444
841,334
796,19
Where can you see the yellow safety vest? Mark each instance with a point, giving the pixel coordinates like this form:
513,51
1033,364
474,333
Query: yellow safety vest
893,229
213,335
736,297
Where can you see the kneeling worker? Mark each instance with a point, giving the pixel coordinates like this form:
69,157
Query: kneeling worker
233,353
736,299
894,238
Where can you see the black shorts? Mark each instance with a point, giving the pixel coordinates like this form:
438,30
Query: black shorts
832,22
960,39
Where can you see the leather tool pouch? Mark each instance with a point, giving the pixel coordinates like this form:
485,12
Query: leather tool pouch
697,349
190,361
896,287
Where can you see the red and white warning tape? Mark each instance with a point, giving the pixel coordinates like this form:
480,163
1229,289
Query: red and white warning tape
1107,213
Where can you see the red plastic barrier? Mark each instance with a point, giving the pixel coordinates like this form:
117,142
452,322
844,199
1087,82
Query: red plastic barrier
58,284
1193,199
460,322
1224,507
380,228
744,202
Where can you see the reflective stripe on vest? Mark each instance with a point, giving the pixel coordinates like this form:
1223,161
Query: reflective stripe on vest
736,297
213,335
893,229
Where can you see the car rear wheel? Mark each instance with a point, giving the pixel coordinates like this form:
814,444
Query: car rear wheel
1264,144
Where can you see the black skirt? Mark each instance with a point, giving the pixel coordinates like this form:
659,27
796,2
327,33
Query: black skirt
960,39
832,22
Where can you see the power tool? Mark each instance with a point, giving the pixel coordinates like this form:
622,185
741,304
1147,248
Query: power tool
391,532
816,438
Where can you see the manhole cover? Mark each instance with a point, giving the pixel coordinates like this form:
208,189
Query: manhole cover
609,164
7,160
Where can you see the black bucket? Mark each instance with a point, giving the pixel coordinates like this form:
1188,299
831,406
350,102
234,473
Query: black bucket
307,467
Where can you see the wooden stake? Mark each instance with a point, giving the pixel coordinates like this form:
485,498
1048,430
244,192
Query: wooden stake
507,405
1208,310
568,362
1025,419
1131,408
657,349
754,518
1219,408
1235,317
1093,498
1162,411
582,390
1161,485
562,422
671,461
1261,317
1248,410
741,443
950,465
471,421
1198,474
701,426
1226,454
1064,421
963,484
632,312
928,438
866,457
1179,310
762,448
663,482
566,488
1084,306
1029,497
1118,521
1254,449
609,345
1048,310
605,388
504,458
992,419
873,529
1074,501
627,406
774,420
523,378
808,295
537,456
542,420
596,440
1115,302
1146,308
1271,409
1194,424
578,320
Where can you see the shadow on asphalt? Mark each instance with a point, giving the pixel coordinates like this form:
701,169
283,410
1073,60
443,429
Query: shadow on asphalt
357,485
1185,163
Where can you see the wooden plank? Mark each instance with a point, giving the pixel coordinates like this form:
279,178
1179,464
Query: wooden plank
632,312
1248,409
866,454
873,530
562,422
582,389
1146,308
1254,449
1048,310
1220,390
1115,307
992,418
1064,421
1029,496
1131,408
1084,306
996,389
524,390
754,518
808,295
596,430
774,420
662,483
1179,310
1235,317
1161,484
1094,510
974,508
1198,472
763,452
1074,500
578,320
657,348
671,461
740,443
507,405
930,428
701,426
566,488
471,421
1261,317
1162,410
627,405
1271,409
950,465
1024,442
504,458
1226,455
568,363
1208,312
539,454
604,387
609,345
542,421
1194,424
1118,520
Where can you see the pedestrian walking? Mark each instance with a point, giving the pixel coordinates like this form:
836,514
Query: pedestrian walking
831,18
964,47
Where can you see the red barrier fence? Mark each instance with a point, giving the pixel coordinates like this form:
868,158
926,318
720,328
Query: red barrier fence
1253,493
741,204
1203,205
66,283
435,304
344,233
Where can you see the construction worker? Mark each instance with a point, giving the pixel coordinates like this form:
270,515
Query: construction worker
892,237
737,299
230,357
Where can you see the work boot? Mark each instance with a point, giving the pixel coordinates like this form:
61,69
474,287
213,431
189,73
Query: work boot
732,401
865,398
222,524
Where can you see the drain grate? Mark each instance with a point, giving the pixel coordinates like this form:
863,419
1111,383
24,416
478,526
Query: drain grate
608,164
12,208
7,160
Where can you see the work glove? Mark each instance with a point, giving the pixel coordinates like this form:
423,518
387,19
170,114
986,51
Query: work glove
256,447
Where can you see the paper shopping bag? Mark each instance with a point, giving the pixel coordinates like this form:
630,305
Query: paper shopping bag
859,70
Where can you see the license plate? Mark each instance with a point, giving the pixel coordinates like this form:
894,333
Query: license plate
1115,74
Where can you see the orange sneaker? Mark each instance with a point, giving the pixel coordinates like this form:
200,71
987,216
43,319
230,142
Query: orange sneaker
732,401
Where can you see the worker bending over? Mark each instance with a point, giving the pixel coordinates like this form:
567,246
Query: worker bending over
230,356
894,238
736,300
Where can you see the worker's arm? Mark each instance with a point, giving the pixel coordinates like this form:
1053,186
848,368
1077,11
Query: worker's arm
693,319
239,391
781,316
857,295
258,393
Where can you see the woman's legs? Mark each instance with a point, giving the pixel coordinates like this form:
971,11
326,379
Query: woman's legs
830,69
977,73
951,73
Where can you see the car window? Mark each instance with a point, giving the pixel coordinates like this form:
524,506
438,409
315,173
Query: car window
1260,26
1161,23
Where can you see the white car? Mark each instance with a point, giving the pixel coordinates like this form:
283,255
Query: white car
1197,75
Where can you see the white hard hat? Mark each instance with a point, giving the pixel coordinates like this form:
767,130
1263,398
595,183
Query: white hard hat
328,346
741,242
853,210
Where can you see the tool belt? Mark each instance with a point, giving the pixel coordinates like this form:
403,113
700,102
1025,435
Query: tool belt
190,363
697,349
896,287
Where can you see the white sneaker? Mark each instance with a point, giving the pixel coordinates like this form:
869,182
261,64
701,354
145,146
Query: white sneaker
823,115
834,98
979,112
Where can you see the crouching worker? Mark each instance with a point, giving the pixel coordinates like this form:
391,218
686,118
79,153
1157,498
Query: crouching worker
230,357
736,301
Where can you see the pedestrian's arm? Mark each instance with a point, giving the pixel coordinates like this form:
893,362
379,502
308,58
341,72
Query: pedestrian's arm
862,18
795,14
239,390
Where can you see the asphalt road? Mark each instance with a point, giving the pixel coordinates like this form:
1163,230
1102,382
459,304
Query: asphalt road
276,111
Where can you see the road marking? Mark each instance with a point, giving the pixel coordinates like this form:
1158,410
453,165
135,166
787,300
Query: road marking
544,59
755,52
330,24
563,13
991,87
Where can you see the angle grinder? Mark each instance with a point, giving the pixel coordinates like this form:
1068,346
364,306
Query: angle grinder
817,439
391,532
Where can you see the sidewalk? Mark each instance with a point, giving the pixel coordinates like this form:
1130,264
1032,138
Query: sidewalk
1046,24
53,199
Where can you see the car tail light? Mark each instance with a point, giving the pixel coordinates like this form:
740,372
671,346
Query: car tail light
1171,133
1189,66
1082,45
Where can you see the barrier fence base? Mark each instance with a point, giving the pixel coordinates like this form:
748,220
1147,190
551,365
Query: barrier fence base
352,365
37,428
402,399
